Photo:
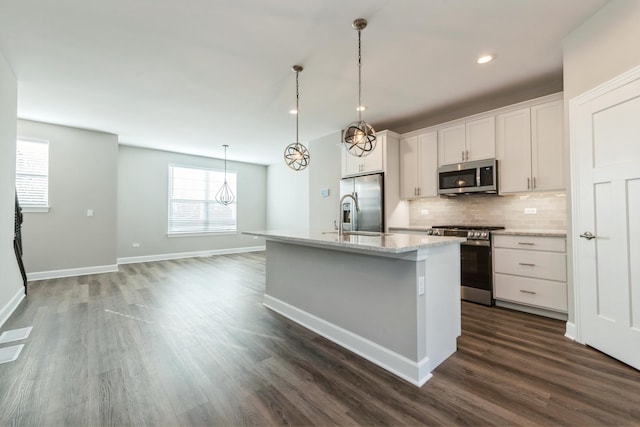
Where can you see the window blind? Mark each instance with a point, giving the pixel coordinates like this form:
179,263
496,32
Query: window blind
32,173
192,204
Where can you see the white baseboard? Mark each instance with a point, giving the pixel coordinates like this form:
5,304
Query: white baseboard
11,306
180,255
71,272
417,373
571,331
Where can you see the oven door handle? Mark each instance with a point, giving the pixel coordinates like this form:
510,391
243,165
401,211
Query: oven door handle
484,243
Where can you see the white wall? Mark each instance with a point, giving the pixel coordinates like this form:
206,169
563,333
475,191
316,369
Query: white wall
325,172
82,175
288,197
603,47
142,204
11,289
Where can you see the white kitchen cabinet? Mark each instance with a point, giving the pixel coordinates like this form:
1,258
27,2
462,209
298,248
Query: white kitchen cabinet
530,149
530,271
467,141
372,163
419,166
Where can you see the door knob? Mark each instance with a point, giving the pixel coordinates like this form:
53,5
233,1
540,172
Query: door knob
588,235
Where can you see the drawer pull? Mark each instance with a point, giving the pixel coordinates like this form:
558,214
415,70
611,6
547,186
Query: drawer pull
526,243
527,264
527,292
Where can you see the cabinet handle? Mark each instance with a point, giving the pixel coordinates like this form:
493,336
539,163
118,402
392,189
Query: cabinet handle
534,182
467,155
526,243
527,292
527,264
528,183
463,155
419,191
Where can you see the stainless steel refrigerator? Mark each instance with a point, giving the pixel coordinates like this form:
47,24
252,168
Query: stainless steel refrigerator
368,189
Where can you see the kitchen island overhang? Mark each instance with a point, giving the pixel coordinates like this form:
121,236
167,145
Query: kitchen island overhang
393,299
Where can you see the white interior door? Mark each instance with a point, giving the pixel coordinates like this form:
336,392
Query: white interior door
605,142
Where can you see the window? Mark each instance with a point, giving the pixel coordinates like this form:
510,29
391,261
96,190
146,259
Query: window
32,174
192,201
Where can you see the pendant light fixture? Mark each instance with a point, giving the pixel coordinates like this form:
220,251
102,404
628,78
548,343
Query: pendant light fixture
225,196
359,137
296,155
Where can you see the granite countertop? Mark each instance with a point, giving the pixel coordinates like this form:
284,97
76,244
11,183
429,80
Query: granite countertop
507,232
522,232
394,243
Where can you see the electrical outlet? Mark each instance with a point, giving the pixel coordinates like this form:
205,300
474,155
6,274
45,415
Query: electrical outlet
135,245
420,285
89,212
424,212
530,211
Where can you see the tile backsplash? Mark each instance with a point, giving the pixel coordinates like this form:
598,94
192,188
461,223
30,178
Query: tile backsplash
508,211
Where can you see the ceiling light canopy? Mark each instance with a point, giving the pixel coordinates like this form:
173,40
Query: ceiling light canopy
296,155
359,137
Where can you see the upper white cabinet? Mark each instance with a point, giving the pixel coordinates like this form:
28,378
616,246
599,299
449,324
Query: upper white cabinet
419,166
373,162
467,141
529,148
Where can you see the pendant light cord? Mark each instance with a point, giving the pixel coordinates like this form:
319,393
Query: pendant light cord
225,163
359,76
297,105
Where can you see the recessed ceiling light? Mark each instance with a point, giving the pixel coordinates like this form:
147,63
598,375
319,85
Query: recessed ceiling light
484,59
361,108
293,111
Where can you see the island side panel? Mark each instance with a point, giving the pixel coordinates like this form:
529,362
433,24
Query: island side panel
371,296
443,306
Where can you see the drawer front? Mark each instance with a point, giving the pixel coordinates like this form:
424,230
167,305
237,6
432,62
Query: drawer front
538,243
539,265
536,292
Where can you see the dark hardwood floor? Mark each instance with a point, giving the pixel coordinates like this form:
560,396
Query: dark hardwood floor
188,342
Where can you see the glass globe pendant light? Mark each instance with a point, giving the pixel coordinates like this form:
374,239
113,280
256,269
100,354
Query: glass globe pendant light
296,155
225,196
359,137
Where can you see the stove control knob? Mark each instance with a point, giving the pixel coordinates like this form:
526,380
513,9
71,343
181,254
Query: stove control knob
484,235
436,232
469,233
476,234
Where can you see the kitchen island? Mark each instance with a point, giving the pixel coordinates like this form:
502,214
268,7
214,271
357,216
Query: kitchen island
394,299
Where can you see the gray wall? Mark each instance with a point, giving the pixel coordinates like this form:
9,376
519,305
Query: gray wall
142,204
325,171
10,280
82,175
603,47
288,196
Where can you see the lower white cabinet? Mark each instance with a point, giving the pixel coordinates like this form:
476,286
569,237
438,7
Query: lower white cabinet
531,271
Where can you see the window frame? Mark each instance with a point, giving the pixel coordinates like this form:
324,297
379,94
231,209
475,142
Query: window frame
208,201
35,208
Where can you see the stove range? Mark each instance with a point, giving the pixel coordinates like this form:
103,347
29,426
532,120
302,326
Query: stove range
476,271
475,234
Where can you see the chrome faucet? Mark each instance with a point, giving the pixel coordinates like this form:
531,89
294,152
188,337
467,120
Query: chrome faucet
341,223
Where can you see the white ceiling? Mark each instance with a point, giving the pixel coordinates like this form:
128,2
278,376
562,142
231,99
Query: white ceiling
189,76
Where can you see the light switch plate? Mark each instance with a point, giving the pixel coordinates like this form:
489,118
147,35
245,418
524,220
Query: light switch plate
324,192
424,212
530,211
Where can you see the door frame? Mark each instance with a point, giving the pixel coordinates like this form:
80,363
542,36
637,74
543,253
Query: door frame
576,122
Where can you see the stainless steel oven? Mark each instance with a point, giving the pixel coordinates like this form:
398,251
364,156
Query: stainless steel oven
476,266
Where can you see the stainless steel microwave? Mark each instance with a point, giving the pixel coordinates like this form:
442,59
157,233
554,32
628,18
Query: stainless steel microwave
480,176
